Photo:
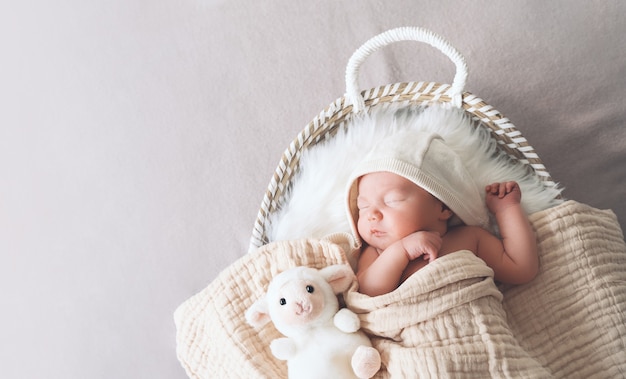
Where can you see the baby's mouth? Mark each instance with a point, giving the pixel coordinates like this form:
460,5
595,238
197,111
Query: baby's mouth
376,232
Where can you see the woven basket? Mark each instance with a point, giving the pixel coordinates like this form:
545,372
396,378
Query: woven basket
326,124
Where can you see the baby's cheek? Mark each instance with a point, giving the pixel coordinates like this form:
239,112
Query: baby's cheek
362,229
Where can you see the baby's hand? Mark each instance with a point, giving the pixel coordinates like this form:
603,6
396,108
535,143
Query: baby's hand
502,195
422,243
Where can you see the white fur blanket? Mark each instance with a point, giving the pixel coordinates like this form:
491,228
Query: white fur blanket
571,319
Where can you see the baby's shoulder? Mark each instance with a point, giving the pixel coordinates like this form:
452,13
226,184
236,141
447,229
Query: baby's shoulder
461,238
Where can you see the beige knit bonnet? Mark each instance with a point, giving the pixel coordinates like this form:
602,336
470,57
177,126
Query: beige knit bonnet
424,159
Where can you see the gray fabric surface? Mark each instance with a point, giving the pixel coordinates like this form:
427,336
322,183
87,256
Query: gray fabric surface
137,139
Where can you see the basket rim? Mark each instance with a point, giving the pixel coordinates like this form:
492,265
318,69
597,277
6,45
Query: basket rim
326,124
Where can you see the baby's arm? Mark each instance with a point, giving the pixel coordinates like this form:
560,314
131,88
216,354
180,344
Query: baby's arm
380,273
514,259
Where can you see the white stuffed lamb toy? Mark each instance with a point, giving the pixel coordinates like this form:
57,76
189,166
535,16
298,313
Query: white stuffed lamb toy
322,341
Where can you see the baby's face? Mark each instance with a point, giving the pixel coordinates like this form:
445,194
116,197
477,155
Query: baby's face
392,207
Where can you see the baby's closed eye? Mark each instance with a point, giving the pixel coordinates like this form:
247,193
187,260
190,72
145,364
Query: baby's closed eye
394,200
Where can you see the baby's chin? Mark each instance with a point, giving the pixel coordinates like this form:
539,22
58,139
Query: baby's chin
377,243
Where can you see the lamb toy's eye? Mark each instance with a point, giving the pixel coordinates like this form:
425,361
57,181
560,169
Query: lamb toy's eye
310,289
282,301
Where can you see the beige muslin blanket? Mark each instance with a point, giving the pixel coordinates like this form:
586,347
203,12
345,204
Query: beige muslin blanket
444,321
448,321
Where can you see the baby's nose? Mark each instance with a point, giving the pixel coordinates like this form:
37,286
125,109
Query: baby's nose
374,215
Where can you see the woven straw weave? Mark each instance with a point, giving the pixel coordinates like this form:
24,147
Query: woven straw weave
326,124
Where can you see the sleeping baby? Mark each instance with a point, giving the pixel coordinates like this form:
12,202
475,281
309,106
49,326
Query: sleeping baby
411,205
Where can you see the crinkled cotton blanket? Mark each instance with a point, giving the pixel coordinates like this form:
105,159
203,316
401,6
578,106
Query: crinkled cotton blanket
448,319
445,320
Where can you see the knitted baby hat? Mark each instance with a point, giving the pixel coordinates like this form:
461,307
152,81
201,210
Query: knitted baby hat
424,159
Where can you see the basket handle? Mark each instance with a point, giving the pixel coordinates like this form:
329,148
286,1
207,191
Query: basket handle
353,95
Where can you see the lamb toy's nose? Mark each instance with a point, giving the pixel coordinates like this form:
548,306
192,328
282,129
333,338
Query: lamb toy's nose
303,307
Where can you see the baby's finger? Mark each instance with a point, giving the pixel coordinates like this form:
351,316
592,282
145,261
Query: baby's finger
492,188
502,190
431,256
510,186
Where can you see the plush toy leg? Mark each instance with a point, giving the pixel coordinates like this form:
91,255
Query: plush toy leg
365,362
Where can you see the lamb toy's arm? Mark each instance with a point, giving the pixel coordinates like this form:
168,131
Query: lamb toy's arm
347,321
283,348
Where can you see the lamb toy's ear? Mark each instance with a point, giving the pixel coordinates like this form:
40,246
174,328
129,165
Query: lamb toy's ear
340,277
258,314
